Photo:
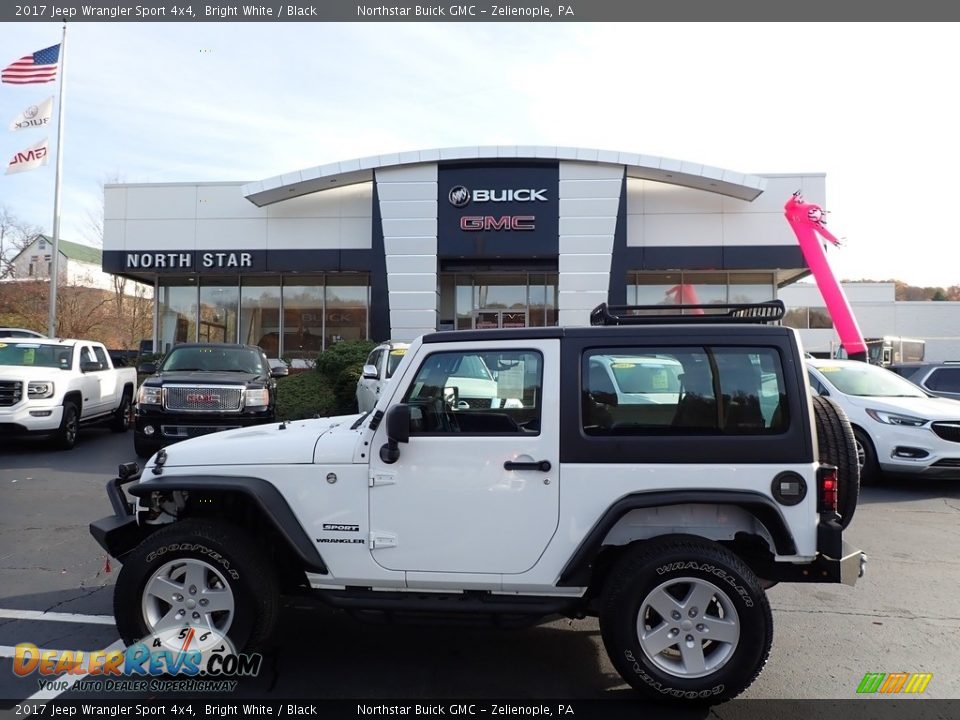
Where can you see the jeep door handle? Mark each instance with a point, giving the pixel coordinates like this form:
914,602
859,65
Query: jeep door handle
541,465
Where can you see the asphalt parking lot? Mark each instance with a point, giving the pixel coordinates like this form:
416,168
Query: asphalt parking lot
904,616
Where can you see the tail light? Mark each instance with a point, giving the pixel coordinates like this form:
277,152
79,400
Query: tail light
827,483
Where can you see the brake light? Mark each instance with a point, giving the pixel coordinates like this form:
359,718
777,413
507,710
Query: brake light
828,489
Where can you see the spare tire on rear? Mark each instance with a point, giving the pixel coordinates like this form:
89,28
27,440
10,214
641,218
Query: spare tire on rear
838,447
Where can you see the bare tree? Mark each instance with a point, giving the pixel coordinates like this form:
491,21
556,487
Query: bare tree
15,235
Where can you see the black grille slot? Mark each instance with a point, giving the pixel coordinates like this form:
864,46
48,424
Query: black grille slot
947,463
947,430
11,392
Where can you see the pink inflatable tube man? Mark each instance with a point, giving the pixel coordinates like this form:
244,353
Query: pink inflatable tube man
807,222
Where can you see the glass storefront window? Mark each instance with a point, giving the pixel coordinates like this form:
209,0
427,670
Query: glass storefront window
302,316
500,300
347,302
219,299
176,312
260,314
698,288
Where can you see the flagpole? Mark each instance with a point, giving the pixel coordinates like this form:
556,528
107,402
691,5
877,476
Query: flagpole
55,259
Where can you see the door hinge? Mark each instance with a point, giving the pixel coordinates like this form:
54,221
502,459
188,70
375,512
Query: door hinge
382,478
380,540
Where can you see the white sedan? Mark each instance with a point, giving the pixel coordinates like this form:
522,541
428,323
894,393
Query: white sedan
899,428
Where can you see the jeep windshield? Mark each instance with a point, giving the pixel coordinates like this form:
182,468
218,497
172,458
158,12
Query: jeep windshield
30,354
213,359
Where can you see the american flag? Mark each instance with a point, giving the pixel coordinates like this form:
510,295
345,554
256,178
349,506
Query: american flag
39,67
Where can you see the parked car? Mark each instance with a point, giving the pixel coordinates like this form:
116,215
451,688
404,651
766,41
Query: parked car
278,368
899,428
19,333
53,387
200,388
941,379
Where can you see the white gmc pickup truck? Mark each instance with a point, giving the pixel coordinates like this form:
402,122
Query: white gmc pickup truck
53,387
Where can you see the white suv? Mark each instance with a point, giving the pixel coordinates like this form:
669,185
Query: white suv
381,363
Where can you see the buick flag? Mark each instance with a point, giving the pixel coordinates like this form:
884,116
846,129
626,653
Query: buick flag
29,158
35,116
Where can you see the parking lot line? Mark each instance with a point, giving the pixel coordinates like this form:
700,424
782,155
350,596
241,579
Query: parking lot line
71,680
56,616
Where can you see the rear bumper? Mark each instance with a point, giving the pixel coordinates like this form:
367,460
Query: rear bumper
837,560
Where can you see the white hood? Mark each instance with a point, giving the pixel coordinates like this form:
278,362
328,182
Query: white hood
19,372
258,445
935,408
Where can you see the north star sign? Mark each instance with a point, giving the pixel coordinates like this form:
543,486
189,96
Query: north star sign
188,260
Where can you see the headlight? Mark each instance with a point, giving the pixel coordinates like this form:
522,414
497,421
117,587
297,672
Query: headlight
149,395
256,398
889,418
39,389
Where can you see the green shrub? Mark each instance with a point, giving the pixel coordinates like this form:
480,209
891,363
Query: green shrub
338,357
345,389
304,395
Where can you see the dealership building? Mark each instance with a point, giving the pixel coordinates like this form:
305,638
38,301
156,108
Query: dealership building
394,246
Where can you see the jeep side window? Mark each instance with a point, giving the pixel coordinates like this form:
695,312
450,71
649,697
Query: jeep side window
701,390
477,393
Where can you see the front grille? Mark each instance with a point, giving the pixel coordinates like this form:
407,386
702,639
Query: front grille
188,431
947,430
11,392
194,398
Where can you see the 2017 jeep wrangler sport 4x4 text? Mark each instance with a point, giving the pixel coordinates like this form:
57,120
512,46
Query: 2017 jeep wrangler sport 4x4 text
657,471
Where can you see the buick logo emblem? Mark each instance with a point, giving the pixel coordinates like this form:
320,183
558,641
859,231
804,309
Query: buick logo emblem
459,196
31,112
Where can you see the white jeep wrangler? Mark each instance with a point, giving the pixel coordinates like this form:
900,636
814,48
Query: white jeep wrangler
667,519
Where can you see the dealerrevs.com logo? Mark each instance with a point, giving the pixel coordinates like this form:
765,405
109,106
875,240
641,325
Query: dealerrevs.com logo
460,196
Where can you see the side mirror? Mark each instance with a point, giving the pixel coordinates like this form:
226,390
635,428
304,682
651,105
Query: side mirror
279,372
90,366
147,368
370,372
398,431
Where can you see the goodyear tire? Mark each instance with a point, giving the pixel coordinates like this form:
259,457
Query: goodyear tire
838,446
204,573
684,619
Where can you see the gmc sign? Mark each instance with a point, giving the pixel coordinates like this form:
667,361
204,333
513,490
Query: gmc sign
504,222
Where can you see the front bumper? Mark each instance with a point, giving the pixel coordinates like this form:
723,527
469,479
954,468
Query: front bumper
119,533
27,418
917,452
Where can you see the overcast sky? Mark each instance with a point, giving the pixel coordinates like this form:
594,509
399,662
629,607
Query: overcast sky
872,106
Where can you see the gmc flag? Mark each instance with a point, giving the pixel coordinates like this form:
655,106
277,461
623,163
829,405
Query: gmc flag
29,159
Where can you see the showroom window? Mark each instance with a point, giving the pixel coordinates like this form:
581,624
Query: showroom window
804,318
698,288
218,310
260,314
177,304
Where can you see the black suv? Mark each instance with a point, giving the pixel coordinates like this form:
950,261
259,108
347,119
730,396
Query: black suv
941,379
203,388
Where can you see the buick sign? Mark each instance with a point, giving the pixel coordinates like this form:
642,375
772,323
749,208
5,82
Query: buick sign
460,196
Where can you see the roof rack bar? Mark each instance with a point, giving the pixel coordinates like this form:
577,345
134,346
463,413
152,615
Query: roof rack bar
764,312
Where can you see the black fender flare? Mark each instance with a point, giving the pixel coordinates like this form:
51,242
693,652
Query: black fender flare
264,496
579,568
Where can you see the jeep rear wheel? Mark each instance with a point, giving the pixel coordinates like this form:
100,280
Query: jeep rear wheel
203,574
684,618
838,447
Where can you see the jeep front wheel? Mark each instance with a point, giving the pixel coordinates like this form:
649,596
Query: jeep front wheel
196,573
685,619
